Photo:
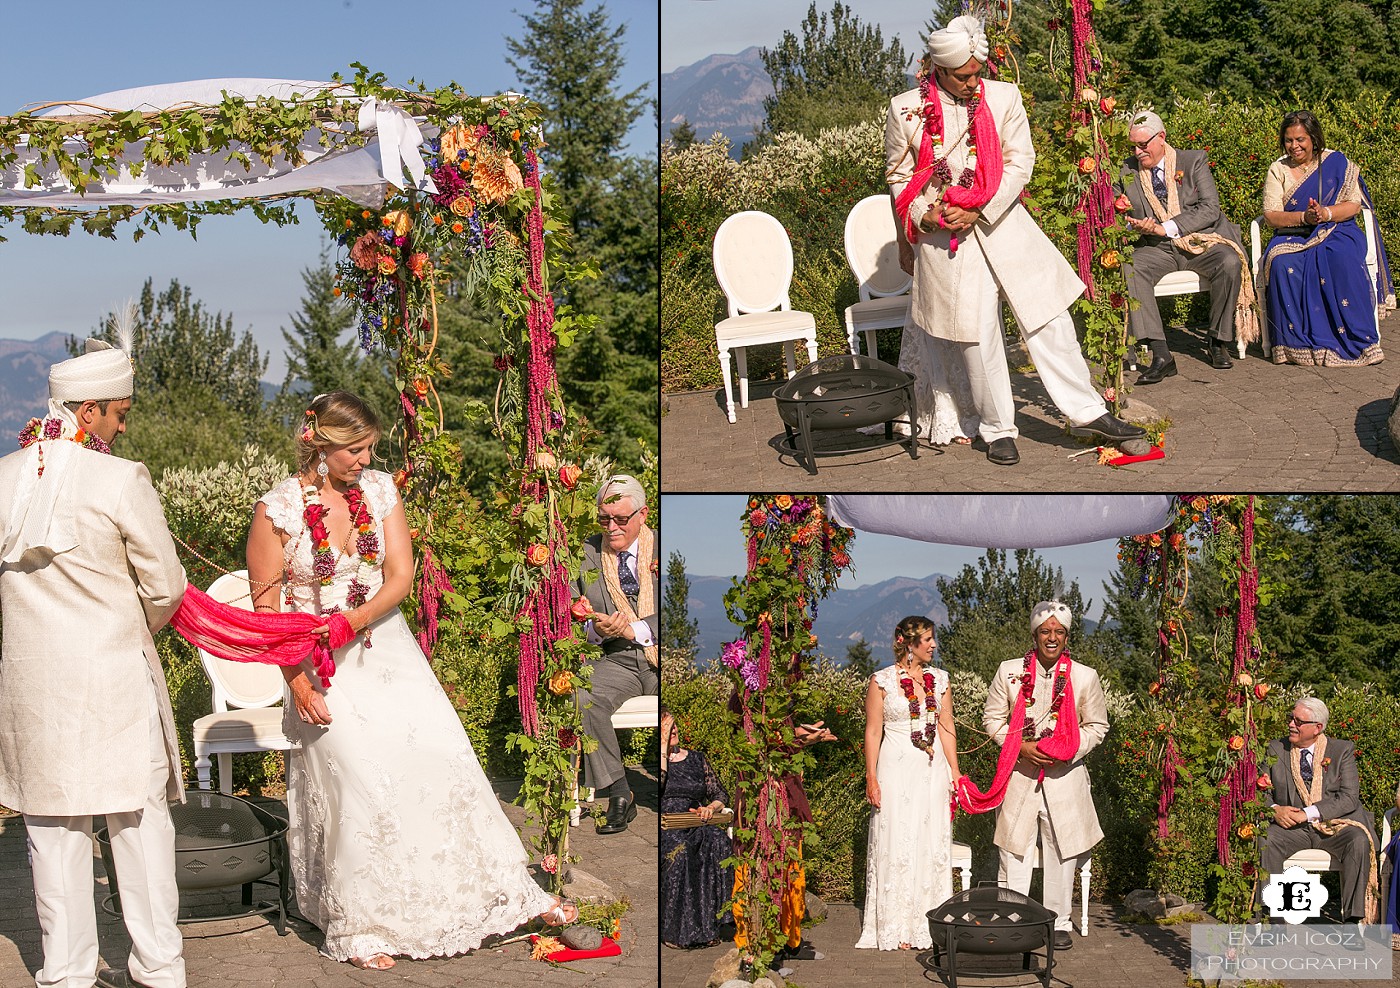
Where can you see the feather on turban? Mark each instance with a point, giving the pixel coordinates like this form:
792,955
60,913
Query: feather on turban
962,39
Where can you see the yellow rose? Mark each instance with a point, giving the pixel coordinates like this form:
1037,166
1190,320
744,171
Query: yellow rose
400,221
783,502
387,265
561,683
462,206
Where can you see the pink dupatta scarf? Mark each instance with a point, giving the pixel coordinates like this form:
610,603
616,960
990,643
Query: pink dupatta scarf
276,638
1061,745
986,176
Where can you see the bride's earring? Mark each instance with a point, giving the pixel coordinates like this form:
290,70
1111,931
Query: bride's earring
321,468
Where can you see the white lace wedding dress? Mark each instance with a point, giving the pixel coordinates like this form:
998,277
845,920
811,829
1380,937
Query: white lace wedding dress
909,869
398,844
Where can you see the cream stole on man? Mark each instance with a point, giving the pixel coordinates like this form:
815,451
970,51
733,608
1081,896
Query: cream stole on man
646,586
1311,794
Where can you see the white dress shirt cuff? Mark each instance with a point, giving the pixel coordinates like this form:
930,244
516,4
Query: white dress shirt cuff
591,634
1313,813
642,632
1172,230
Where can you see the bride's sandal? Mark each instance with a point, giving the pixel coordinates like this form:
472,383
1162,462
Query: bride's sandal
563,913
374,962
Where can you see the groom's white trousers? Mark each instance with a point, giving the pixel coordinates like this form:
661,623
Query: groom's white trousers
1015,871
143,848
1053,348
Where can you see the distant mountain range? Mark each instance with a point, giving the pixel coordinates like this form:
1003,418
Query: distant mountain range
718,94
846,616
24,379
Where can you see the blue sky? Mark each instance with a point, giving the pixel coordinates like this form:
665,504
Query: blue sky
704,528
692,29
237,265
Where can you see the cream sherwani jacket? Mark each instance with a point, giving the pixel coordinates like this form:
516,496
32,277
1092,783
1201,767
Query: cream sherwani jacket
77,662
1067,795
1006,246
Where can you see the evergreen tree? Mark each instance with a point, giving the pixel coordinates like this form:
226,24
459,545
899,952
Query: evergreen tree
679,631
198,391
822,81
860,658
682,135
989,609
320,358
1127,634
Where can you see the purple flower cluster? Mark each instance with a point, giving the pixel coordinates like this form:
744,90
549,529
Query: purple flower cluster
324,567
367,543
357,594
734,653
53,428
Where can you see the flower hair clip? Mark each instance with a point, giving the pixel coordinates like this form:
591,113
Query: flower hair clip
308,428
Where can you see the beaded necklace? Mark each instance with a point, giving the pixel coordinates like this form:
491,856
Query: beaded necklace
933,125
923,731
323,556
35,431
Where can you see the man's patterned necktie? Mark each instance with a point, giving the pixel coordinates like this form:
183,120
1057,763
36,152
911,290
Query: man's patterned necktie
625,577
1306,767
1159,186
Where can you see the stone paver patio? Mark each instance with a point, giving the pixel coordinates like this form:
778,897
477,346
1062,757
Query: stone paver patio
249,951
1257,426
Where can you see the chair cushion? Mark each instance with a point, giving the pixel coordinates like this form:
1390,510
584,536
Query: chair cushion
261,723
638,711
879,313
1310,859
766,327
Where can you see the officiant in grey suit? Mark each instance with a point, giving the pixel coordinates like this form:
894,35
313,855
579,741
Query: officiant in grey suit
1317,804
621,578
1176,213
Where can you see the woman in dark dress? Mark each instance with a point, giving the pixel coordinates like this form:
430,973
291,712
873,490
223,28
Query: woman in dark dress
693,885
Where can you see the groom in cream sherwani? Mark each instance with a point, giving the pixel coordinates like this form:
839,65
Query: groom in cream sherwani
88,573
1060,809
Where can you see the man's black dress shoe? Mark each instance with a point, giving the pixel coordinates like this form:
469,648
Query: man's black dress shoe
1002,452
1063,940
1160,369
622,810
1110,428
1220,357
116,978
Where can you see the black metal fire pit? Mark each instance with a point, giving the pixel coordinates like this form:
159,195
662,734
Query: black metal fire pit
845,391
978,925
220,842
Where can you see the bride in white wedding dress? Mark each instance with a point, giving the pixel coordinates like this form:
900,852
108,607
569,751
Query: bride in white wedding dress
398,844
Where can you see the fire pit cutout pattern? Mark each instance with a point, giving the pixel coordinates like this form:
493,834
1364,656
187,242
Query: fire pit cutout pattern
220,842
844,391
990,921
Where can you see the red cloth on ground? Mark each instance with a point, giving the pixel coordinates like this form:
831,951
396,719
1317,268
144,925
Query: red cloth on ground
276,638
608,948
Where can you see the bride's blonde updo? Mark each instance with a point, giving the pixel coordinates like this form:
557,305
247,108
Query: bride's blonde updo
337,418
907,632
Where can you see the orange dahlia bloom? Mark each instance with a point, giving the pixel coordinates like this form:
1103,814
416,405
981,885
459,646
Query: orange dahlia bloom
495,177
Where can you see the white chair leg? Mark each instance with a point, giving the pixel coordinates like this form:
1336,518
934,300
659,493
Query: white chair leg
852,334
966,874
812,348
728,386
1084,898
789,360
202,766
871,345
1240,341
742,355
226,773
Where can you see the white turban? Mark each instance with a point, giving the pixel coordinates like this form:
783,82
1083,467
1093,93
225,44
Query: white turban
101,373
1047,609
963,38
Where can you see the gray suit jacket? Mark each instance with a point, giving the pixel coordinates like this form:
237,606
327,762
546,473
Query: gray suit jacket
1341,787
590,585
1200,200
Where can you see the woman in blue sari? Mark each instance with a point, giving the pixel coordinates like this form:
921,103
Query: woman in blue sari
1320,299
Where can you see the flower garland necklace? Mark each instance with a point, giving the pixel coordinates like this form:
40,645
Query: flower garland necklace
323,557
931,113
923,731
1057,691
35,431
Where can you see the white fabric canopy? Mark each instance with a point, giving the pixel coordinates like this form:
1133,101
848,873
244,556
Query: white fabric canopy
393,154
1003,521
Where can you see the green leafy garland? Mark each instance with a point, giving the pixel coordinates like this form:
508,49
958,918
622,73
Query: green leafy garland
503,237
795,556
